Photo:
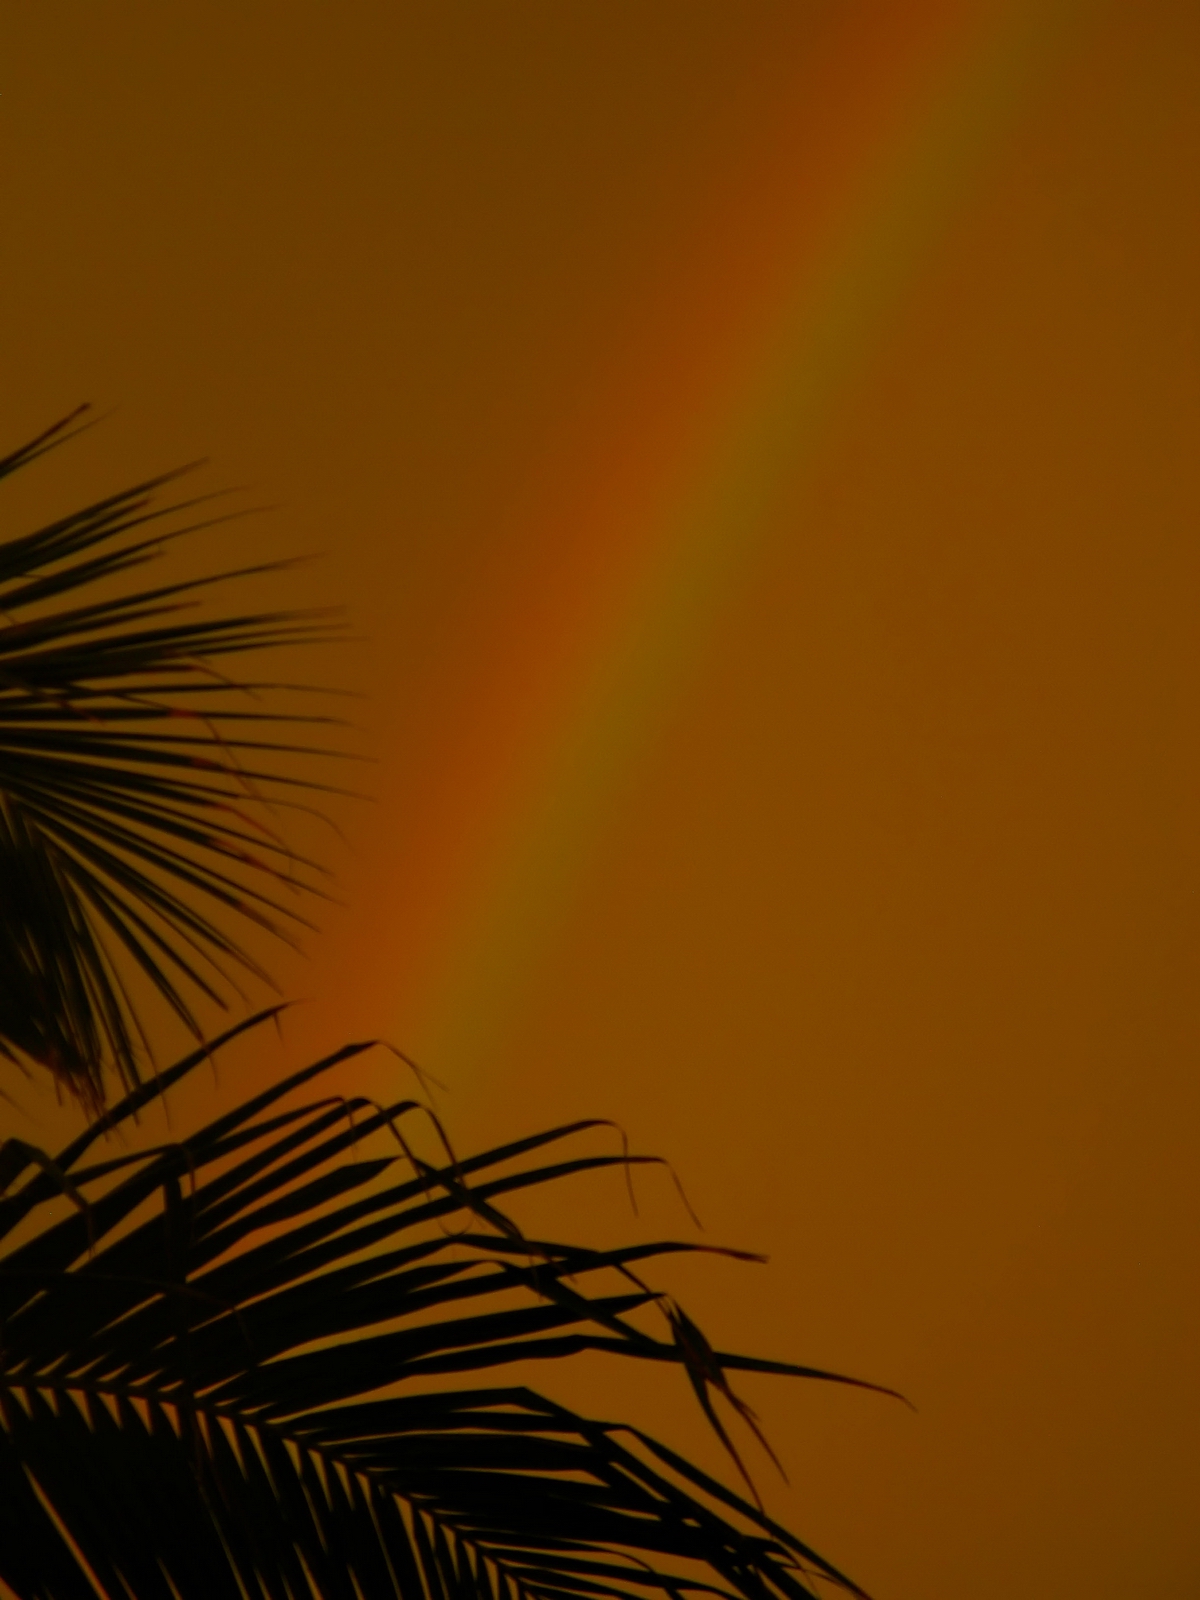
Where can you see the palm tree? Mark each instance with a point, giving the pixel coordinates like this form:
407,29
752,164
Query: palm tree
268,1359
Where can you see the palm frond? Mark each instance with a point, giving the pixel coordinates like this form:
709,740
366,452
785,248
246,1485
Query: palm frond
224,1372
137,783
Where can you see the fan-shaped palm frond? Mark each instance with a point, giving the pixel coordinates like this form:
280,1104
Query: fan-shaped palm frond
132,784
219,1377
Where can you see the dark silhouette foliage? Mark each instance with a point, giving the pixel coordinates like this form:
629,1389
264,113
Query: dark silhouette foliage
221,1376
268,1360
138,784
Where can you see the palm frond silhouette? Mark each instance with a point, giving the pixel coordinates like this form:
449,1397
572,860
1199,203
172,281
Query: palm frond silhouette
267,1360
219,1370
132,775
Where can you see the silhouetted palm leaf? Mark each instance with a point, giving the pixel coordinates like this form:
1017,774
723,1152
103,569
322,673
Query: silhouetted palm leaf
132,785
220,1377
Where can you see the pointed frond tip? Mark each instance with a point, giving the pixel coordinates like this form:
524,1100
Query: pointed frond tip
127,849
274,1352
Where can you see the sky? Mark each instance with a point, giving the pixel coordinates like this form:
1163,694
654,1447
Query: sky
756,447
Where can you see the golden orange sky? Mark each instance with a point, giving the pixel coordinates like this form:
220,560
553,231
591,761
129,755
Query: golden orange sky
758,447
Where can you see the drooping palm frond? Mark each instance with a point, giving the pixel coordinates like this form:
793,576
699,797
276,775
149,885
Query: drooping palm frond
222,1373
137,784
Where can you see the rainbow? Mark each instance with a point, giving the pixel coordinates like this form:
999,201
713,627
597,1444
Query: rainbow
651,509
